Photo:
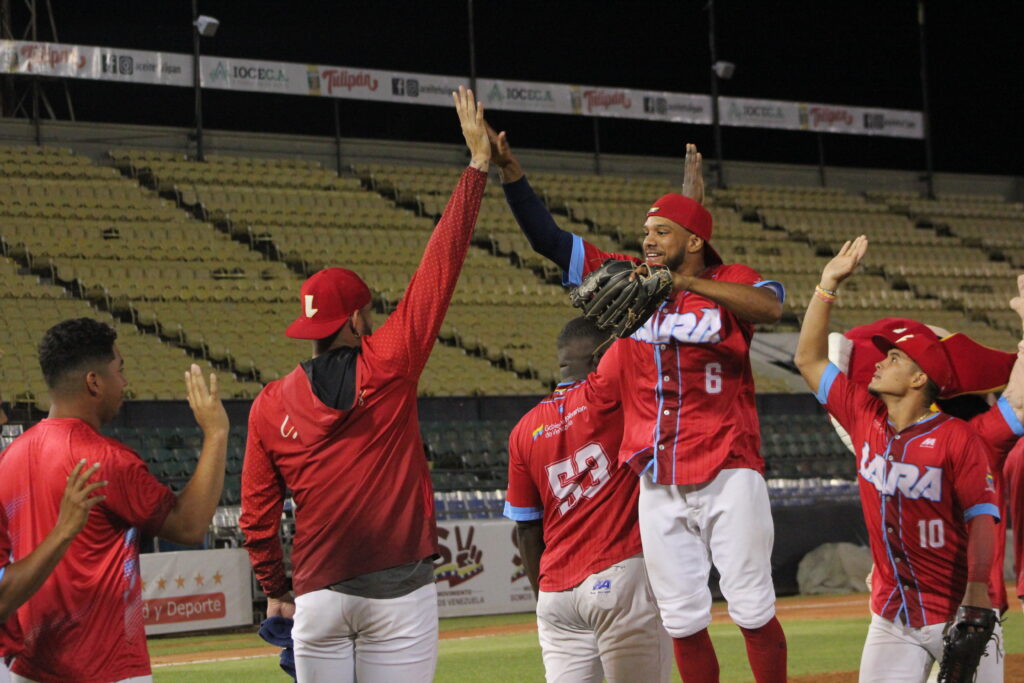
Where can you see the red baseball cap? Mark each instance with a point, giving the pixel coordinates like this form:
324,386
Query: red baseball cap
329,298
689,214
976,368
922,345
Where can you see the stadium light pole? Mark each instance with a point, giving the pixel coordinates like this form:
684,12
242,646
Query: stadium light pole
926,124
716,123
202,27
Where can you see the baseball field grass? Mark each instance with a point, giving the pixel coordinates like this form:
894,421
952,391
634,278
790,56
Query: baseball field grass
825,635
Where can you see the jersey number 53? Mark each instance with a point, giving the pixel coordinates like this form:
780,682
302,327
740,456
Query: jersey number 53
579,476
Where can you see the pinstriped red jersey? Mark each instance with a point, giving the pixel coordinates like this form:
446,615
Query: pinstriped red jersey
919,488
563,469
686,383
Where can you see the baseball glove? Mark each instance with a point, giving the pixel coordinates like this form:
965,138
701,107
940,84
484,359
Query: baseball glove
964,643
619,296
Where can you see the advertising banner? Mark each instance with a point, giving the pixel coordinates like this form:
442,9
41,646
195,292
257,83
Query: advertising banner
400,87
480,571
196,590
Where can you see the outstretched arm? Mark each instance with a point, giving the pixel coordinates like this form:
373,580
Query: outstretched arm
21,579
811,356
407,337
534,219
1014,392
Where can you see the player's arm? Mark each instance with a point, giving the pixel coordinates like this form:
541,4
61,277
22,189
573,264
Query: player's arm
693,174
21,579
981,540
263,495
189,518
530,538
754,304
811,356
524,506
412,329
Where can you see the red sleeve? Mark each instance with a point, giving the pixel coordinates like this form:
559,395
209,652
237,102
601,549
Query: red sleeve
603,385
5,541
739,273
263,492
407,337
594,257
1013,471
973,485
523,502
993,429
133,493
846,401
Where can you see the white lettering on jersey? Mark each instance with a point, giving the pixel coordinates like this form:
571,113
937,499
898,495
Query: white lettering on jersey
904,477
288,431
684,327
310,311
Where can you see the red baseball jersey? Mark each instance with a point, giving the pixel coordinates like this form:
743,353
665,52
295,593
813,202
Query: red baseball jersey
85,622
10,634
919,488
686,383
563,469
359,478
1014,471
1000,429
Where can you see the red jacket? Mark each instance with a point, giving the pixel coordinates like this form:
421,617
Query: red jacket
359,479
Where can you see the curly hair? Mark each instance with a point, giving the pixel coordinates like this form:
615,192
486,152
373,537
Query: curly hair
74,345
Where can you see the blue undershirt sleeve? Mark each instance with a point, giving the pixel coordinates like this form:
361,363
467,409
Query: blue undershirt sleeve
534,219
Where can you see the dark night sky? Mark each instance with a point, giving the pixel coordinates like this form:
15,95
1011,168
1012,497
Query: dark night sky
860,53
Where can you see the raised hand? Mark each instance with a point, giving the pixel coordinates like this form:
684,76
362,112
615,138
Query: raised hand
78,500
471,116
205,403
844,263
501,152
693,174
1017,302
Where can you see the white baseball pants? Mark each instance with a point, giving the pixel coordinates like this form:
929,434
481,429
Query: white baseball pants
894,653
5,675
607,627
344,638
684,529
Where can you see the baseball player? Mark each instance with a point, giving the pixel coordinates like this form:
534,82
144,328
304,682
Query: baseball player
977,371
1014,473
579,537
85,624
20,579
928,498
341,432
691,429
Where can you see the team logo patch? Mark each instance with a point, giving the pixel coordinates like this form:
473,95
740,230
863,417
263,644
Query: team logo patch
990,482
928,443
537,432
653,209
602,586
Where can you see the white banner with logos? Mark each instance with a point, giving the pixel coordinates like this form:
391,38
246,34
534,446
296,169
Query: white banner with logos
400,87
480,571
195,590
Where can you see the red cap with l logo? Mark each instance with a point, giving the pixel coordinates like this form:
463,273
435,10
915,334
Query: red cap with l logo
329,298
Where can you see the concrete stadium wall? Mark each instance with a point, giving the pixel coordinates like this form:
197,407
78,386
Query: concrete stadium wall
94,139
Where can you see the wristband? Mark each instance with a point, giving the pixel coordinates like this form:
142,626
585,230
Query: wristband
826,295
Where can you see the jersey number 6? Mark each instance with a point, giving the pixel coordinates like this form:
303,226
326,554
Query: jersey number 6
582,475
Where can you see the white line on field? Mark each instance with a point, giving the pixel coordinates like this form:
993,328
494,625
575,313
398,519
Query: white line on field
210,661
